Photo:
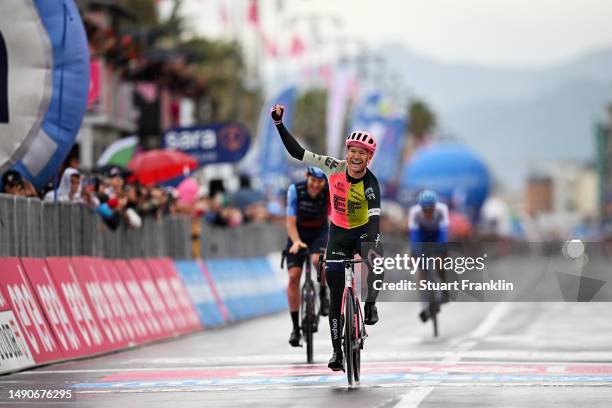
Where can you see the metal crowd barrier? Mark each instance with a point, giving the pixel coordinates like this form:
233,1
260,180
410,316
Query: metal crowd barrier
245,241
32,228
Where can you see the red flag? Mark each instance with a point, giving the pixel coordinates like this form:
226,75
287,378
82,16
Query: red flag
253,13
269,46
297,46
223,16
325,73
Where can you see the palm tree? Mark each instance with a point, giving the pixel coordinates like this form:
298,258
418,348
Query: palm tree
421,120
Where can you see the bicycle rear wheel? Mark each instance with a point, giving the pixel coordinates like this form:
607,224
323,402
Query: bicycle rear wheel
348,334
357,347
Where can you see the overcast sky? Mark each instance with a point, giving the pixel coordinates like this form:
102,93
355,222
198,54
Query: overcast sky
515,33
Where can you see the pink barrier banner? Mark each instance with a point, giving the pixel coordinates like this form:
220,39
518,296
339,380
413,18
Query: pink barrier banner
142,273
182,296
153,327
136,321
110,325
18,293
158,273
14,352
61,321
75,301
117,305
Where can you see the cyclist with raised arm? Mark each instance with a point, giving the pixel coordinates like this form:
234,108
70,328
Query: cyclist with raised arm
428,222
355,214
307,227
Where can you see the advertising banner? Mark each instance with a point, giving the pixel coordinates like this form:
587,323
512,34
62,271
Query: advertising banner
163,285
181,294
211,144
154,298
75,302
18,293
110,325
136,292
132,314
107,283
59,318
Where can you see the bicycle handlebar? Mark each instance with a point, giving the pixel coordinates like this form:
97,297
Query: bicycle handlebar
347,261
301,251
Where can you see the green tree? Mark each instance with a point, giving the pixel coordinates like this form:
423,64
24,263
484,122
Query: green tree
144,11
309,119
421,120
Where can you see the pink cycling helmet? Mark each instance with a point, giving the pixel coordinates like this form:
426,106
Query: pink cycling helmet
362,139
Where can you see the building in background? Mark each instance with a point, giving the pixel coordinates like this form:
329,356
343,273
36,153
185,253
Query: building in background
603,158
562,196
136,87
539,195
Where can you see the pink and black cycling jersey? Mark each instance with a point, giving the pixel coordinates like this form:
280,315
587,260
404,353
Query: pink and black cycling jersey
353,201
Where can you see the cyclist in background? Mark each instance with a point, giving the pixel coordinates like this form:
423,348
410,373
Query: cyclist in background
307,227
355,217
428,222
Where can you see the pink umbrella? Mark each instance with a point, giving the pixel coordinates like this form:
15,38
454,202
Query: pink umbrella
188,191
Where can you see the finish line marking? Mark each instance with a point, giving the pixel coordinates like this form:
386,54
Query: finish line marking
438,379
178,373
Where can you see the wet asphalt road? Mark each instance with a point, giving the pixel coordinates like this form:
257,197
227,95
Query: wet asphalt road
488,354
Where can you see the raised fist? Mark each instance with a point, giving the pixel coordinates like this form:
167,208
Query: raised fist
277,113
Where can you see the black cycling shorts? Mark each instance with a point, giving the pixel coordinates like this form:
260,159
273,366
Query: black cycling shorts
344,244
316,241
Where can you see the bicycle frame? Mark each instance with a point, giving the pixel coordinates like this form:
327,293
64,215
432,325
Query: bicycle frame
349,282
355,339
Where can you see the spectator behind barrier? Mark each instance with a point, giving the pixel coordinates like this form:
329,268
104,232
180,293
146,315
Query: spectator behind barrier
13,183
70,190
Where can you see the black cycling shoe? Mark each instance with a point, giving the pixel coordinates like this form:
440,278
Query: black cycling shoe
324,309
336,362
424,315
371,314
295,338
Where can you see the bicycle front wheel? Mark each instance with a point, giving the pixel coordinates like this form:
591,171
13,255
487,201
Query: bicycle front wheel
308,318
348,336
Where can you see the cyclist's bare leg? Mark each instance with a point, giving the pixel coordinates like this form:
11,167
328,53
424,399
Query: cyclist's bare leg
293,298
293,289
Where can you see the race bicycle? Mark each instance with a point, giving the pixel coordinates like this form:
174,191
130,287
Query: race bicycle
351,315
309,306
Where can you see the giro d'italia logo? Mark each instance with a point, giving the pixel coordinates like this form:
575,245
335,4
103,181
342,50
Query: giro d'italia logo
232,138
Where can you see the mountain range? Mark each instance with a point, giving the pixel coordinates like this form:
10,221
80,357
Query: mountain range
516,119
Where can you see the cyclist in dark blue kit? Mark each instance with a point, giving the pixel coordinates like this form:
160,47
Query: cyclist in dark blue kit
307,227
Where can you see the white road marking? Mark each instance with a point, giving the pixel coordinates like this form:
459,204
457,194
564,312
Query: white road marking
467,343
413,398
493,317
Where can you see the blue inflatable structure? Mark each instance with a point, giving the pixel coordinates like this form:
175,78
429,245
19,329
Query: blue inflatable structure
59,100
456,173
